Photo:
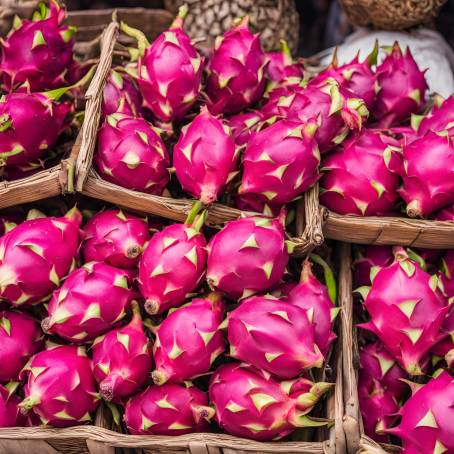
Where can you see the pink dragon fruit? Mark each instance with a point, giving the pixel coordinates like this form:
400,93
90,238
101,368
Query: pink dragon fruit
189,340
172,264
90,302
403,134
255,204
319,302
426,418
281,161
283,289
29,125
121,95
20,338
446,214
355,76
427,177
168,410
205,158
405,294
273,335
361,177
122,359
10,415
440,118
258,255
401,88
250,404
335,108
36,255
378,409
447,274
169,71
372,256
445,348
60,387
236,70
243,125
116,238
377,366
132,154
38,52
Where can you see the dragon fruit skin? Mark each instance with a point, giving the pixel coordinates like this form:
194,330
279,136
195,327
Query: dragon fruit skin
89,303
121,95
243,125
312,296
255,204
236,71
283,289
446,214
29,125
401,88
189,340
10,415
122,359
447,274
205,157
273,335
380,256
39,52
250,404
378,407
60,387
20,338
440,118
36,255
258,255
445,348
427,178
169,409
171,266
116,238
132,154
409,296
426,418
169,71
281,161
361,178
377,365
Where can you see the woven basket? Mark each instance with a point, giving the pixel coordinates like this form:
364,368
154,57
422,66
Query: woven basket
391,14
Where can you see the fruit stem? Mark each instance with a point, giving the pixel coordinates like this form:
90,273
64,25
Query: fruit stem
288,60
196,207
142,41
179,20
28,403
159,377
329,277
400,254
136,315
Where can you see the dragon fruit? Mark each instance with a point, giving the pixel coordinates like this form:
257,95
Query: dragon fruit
283,289
427,177
335,108
38,52
380,256
172,264
60,387
361,177
318,300
121,95
169,71
378,409
255,203
445,214
243,125
132,154
377,365
249,403
236,70
281,161
116,238
426,418
189,340
20,338
401,88
168,410
258,255
10,415
122,359
273,335
355,76
445,348
36,255
90,302
404,293
440,118
205,157
447,274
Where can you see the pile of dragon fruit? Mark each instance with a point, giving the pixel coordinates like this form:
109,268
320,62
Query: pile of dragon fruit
253,129
37,67
155,320
406,386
